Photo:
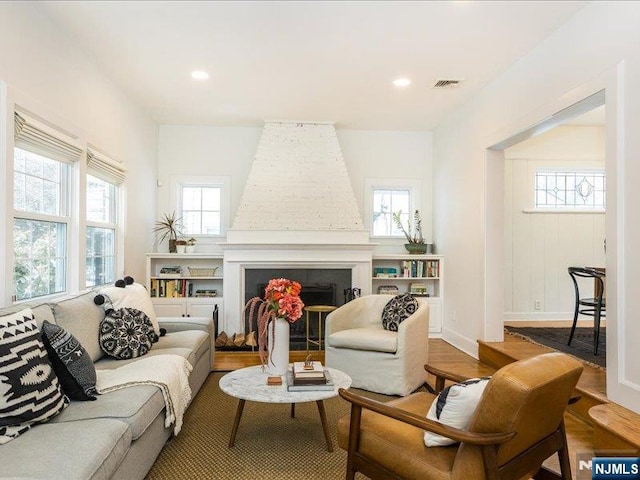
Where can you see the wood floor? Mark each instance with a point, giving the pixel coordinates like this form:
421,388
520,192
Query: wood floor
579,433
494,355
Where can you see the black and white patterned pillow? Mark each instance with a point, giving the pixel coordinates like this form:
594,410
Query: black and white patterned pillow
29,389
71,362
454,406
398,309
126,333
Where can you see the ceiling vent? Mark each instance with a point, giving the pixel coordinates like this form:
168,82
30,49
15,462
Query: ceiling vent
447,83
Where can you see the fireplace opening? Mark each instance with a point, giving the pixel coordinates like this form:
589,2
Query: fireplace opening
320,286
314,294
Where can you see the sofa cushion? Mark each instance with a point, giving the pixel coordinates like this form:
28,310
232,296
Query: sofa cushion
30,390
81,317
374,339
454,406
110,363
41,311
126,333
196,340
137,406
91,449
398,309
71,362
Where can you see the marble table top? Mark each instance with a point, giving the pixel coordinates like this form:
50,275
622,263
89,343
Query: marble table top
250,383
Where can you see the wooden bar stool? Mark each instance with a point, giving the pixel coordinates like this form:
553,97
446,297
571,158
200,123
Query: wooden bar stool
319,309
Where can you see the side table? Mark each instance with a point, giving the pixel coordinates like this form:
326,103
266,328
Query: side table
319,309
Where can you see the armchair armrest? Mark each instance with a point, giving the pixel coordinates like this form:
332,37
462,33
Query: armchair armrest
441,376
359,402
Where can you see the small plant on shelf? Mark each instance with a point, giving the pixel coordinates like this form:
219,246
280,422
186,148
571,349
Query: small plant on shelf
191,245
413,233
168,227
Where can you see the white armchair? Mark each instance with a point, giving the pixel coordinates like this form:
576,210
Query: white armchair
376,359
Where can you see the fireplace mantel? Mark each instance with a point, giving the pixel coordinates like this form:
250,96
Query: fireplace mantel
241,256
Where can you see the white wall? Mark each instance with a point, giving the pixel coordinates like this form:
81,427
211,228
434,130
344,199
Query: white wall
540,246
46,72
229,151
595,49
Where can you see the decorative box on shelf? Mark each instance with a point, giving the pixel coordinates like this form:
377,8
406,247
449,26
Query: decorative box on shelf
202,271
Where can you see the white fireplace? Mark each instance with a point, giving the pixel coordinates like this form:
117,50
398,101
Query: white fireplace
298,211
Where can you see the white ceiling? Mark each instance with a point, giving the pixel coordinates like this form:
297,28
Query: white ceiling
305,60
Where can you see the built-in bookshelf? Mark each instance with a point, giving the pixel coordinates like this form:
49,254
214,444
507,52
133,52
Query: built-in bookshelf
420,275
185,285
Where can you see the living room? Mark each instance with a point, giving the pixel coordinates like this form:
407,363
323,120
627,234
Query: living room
49,69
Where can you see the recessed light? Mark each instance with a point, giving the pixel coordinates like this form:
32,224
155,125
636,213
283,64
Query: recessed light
199,75
402,82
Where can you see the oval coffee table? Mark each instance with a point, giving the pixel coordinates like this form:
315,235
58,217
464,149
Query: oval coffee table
250,383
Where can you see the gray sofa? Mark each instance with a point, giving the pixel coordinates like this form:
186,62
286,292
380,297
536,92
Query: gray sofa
120,434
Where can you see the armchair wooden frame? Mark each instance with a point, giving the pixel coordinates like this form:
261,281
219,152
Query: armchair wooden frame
526,463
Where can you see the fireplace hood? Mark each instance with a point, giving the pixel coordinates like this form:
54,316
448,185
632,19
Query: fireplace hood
298,190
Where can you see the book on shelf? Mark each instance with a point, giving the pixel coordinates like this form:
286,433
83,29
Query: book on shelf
388,290
420,268
385,272
326,385
418,289
206,293
166,288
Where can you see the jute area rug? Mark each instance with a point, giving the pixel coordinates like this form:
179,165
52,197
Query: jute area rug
269,444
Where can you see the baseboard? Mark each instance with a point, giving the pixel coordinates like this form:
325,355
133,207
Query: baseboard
468,346
535,315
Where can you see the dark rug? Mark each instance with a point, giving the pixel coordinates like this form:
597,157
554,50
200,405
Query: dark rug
556,338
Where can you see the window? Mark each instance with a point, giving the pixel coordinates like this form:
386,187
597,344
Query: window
386,202
101,232
584,190
40,201
201,210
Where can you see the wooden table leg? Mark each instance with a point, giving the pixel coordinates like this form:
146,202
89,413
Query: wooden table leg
293,410
325,428
236,422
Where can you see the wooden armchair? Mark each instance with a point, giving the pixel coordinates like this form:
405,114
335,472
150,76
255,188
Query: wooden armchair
516,426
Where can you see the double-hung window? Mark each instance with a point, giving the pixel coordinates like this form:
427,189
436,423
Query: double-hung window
103,179
41,222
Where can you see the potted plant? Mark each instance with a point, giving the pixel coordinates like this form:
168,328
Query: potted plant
191,245
168,227
415,239
181,246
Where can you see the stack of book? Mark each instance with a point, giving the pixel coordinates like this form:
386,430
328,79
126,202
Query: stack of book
301,379
170,272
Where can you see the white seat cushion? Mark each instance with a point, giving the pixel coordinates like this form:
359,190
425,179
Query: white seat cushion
374,339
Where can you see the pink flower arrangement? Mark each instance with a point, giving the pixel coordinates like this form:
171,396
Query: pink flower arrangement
281,300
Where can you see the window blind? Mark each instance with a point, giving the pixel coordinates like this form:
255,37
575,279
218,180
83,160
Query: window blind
105,168
38,138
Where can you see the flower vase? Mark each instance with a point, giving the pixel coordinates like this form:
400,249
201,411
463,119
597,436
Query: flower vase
278,345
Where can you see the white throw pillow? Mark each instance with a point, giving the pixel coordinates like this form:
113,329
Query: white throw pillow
132,296
454,406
